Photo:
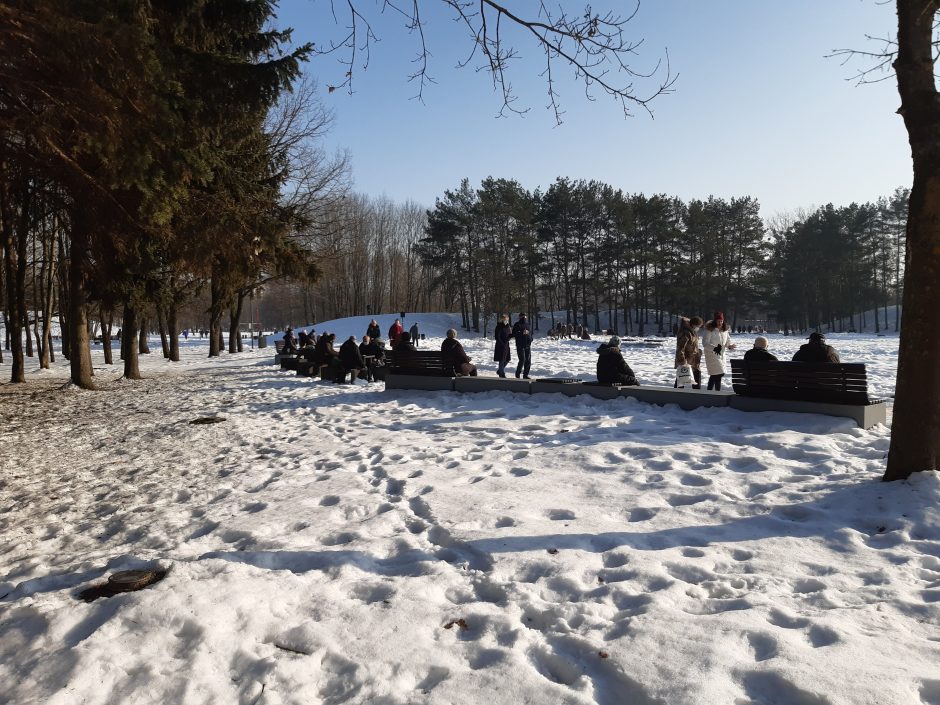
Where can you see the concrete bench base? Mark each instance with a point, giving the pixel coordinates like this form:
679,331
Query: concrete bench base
685,398
572,389
491,384
429,384
865,416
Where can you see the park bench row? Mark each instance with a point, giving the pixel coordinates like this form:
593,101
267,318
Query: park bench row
829,389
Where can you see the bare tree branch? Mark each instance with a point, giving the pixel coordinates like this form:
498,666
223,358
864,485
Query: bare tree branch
594,45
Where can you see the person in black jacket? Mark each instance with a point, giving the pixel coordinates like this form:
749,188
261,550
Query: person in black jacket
351,358
501,353
611,367
404,343
455,356
816,350
759,352
373,331
523,337
374,357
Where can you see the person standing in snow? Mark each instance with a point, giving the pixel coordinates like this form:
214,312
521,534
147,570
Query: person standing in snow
687,350
394,333
501,353
759,352
816,350
373,331
611,367
716,341
523,337
414,333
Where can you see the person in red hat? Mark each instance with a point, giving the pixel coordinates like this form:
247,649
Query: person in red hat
716,341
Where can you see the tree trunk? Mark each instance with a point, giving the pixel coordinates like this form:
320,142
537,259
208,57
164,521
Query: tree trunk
131,339
143,346
161,324
107,321
915,429
79,353
12,315
171,321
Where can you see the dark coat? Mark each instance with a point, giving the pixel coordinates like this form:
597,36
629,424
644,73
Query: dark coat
374,331
816,351
612,368
759,355
453,353
405,346
522,334
372,349
502,334
350,356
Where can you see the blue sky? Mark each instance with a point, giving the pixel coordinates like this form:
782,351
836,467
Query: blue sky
757,108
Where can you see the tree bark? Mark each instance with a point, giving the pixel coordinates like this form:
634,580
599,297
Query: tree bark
161,324
173,325
915,429
12,313
143,346
79,352
107,319
130,334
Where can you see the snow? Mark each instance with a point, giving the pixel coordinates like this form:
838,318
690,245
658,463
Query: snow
325,541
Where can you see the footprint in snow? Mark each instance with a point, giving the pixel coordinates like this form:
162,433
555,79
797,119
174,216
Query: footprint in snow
329,500
520,472
503,522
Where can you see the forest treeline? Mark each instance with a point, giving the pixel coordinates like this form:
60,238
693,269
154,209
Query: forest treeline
150,153
166,161
596,254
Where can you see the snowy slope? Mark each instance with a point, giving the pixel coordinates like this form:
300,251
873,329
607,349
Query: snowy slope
324,542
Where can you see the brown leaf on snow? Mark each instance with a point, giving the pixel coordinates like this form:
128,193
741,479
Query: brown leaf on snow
462,623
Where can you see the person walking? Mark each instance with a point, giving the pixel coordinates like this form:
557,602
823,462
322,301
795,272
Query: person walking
415,334
501,353
759,352
687,350
716,341
816,350
523,338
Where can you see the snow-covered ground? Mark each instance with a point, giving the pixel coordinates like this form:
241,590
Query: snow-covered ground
340,544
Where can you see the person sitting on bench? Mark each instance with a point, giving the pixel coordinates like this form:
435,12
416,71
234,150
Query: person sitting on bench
611,367
404,343
290,342
455,356
373,355
351,358
759,352
816,350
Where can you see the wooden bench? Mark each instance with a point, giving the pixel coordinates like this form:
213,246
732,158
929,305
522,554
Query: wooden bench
422,370
835,389
425,363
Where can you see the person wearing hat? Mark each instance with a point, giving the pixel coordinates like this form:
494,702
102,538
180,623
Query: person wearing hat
523,337
759,352
611,367
716,340
816,350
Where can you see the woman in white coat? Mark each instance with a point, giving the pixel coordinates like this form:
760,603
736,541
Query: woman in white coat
716,339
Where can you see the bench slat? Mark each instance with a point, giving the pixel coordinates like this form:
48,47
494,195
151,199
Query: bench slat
801,381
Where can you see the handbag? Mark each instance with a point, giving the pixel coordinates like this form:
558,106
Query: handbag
684,375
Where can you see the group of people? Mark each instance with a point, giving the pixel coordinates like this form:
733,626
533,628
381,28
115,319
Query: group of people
522,335
716,341
570,331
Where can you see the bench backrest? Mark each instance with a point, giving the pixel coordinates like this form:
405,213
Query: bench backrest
803,381
428,363
279,346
